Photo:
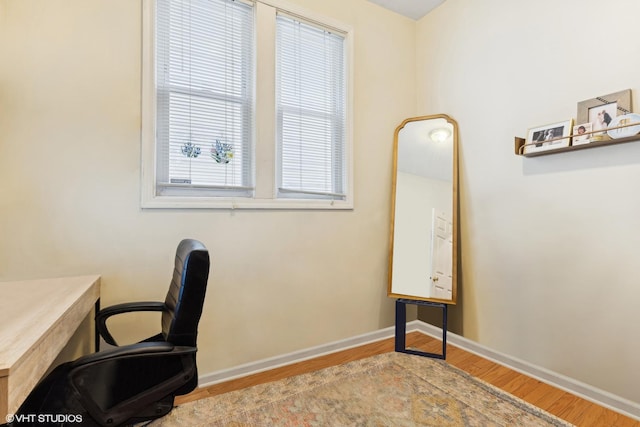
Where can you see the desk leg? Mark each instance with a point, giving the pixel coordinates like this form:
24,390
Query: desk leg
95,327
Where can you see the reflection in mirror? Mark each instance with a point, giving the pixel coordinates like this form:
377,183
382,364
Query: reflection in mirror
422,261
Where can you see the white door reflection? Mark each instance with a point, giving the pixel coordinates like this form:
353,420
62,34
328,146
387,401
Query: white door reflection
441,255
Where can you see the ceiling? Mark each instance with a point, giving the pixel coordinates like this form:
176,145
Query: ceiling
414,9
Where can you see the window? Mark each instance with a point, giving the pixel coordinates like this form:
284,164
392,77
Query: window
204,87
245,104
310,99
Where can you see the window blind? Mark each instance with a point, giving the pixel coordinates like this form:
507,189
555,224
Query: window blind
310,96
204,78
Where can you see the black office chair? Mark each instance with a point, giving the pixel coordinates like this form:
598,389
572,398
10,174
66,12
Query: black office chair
136,382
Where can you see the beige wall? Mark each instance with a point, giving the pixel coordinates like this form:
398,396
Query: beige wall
549,244
70,185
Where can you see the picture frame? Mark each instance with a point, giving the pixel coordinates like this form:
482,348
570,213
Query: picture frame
548,137
601,110
581,134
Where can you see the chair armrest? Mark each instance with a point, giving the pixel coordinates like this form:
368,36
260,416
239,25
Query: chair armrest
142,348
128,307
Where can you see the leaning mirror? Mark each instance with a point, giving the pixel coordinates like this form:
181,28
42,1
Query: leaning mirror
424,212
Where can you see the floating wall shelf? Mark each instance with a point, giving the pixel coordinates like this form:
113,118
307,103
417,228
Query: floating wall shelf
520,142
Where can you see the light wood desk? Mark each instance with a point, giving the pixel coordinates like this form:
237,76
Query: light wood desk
37,319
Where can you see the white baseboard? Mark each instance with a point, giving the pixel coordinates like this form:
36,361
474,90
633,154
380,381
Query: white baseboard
294,357
585,391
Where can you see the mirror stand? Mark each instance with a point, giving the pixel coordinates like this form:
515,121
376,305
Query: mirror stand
401,327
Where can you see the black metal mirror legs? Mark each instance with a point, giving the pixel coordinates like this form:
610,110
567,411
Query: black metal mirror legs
401,327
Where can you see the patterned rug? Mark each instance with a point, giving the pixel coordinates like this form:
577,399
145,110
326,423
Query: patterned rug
392,389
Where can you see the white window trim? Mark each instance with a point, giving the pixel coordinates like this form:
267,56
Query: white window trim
265,154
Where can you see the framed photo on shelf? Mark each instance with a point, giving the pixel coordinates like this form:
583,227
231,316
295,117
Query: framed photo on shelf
581,134
548,137
600,111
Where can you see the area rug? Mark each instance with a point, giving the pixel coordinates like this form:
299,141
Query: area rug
391,389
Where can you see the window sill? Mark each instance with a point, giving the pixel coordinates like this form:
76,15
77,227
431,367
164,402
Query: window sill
167,202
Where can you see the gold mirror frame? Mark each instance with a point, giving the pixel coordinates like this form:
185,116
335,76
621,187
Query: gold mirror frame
454,212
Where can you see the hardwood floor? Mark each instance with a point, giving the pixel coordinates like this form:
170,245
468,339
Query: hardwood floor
571,408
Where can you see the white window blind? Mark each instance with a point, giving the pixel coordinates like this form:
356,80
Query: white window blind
204,78
310,97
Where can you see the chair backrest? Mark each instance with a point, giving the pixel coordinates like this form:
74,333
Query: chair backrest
185,298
